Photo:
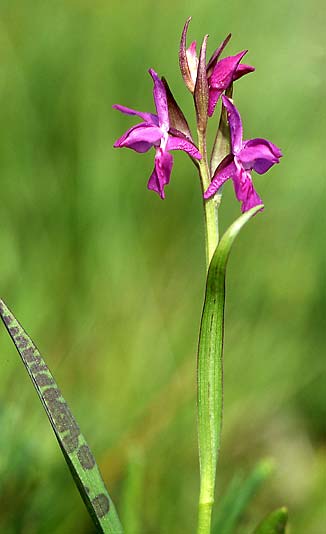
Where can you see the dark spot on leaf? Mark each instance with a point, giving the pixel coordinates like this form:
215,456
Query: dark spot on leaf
22,342
28,355
43,379
101,505
85,457
39,366
71,440
7,319
14,330
51,394
62,418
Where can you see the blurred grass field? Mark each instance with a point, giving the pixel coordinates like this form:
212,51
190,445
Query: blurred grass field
109,280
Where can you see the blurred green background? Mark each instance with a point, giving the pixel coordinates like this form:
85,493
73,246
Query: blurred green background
109,280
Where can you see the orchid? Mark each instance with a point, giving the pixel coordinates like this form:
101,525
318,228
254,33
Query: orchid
233,158
255,154
156,131
221,73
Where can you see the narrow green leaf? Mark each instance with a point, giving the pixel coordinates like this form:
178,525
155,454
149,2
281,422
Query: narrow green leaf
76,451
133,491
274,523
238,496
210,368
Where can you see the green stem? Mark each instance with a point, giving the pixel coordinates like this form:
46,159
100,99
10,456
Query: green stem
204,517
211,205
206,367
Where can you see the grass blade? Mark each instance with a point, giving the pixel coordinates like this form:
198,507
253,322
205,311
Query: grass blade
76,451
238,496
274,523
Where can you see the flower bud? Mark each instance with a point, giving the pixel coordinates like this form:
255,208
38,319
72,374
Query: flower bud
201,89
188,59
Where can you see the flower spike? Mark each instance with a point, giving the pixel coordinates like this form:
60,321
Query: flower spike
220,73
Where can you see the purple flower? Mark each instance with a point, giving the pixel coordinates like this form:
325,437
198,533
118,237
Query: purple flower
221,73
258,154
155,131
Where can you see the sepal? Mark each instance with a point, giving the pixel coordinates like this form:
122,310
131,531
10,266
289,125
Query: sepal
177,119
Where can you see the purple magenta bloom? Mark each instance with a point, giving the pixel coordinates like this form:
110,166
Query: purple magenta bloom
155,132
254,154
221,73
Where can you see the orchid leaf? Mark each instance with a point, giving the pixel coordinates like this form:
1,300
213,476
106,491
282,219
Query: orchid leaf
238,496
75,449
210,368
274,523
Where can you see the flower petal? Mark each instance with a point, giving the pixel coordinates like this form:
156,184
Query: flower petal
259,154
192,60
160,100
160,176
235,124
224,171
140,137
224,70
147,117
214,95
213,60
242,69
222,77
245,191
180,142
